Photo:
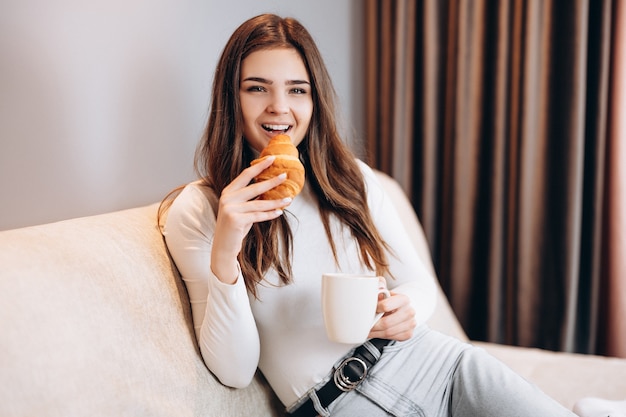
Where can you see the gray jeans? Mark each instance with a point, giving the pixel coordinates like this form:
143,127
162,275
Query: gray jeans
434,375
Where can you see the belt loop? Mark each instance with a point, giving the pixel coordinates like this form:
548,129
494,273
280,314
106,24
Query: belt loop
372,349
323,412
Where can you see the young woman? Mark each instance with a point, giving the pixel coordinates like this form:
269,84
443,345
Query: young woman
253,267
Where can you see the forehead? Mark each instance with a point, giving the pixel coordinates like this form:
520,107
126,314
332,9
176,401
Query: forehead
281,63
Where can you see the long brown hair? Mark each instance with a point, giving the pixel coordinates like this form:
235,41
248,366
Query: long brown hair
331,168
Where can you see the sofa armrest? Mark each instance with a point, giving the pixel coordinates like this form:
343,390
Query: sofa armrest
443,319
566,377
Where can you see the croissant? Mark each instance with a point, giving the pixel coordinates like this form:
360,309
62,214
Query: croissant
286,161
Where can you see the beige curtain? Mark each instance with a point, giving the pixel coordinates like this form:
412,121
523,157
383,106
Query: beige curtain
493,115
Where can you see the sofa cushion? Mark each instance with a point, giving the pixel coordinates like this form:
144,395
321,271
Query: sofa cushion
96,322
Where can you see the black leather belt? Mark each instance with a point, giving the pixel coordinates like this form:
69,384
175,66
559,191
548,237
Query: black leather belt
346,377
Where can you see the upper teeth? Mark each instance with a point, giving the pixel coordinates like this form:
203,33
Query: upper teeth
276,127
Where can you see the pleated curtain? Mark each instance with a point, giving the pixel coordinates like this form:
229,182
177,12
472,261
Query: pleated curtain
500,119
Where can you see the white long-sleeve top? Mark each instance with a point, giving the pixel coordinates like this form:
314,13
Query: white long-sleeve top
282,331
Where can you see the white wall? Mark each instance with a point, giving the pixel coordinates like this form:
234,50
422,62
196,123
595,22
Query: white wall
102,102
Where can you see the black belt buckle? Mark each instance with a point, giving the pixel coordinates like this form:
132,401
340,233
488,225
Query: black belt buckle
357,368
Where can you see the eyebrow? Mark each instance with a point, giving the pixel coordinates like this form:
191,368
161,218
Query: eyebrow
266,81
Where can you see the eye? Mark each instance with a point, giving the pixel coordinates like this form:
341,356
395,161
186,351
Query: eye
256,88
298,90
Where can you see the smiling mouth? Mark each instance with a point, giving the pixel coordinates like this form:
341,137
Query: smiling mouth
276,128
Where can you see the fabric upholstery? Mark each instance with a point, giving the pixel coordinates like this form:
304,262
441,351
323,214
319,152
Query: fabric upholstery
96,322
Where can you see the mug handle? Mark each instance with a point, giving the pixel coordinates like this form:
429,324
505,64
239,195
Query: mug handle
385,292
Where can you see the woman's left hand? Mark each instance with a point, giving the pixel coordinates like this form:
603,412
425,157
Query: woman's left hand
398,321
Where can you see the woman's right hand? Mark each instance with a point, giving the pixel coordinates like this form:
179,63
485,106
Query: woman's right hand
238,209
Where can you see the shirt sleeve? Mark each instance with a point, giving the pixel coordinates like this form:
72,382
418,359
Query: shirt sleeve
223,322
410,275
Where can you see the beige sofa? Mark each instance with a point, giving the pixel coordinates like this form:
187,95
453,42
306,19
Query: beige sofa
95,321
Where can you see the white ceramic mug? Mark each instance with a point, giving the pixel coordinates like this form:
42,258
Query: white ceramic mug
349,305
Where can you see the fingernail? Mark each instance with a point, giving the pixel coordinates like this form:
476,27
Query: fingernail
287,200
283,175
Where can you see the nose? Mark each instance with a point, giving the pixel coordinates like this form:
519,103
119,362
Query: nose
278,104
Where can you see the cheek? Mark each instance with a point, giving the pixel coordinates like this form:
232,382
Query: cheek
246,111
251,107
305,112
